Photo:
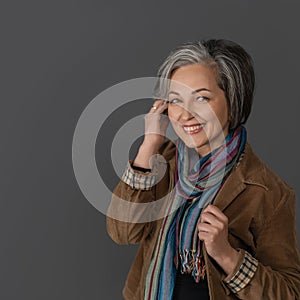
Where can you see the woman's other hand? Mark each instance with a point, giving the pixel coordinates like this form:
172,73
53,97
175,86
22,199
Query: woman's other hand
213,230
156,124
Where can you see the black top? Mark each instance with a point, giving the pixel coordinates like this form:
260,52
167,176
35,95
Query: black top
187,288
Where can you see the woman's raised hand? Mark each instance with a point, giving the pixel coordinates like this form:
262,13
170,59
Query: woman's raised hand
156,124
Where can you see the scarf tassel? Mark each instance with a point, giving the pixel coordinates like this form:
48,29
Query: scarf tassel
191,265
200,270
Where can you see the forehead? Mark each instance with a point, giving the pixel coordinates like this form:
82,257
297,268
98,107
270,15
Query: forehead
193,77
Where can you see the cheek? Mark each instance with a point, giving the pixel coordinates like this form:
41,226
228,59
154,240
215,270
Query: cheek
174,120
222,114
216,114
175,124
173,114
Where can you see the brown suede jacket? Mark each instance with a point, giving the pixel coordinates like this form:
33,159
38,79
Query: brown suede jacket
261,211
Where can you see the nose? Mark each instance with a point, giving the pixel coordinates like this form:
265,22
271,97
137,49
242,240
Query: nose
186,114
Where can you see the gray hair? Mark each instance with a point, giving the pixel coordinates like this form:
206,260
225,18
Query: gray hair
235,72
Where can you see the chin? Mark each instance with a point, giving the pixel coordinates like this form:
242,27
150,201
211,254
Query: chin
193,143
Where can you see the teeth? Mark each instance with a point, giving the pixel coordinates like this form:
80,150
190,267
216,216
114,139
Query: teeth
192,128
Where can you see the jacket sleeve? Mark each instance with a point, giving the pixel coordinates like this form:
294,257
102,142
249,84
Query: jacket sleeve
274,272
132,213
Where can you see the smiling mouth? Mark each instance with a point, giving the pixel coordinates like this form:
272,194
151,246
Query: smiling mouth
193,129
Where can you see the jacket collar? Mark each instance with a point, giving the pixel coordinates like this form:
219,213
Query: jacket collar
248,171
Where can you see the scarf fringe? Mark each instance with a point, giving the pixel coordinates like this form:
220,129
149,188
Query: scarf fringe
192,265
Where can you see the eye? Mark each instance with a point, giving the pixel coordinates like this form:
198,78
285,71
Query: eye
175,101
202,99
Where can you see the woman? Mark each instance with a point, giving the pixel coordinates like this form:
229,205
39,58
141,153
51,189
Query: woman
232,234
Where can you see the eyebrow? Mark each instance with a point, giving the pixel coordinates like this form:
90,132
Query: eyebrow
193,92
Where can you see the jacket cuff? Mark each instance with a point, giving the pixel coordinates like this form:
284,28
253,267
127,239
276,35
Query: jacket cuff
243,273
137,179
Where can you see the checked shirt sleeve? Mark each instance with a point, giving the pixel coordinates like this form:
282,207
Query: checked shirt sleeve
138,179
243,275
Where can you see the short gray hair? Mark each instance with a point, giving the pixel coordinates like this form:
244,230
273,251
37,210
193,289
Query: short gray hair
235,72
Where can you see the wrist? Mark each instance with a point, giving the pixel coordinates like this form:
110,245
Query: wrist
146,151
229,260
150,147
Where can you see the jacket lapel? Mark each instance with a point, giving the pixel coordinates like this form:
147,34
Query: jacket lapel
231,188
235,183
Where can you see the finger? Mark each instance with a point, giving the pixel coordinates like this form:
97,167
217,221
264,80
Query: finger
163,107
204,227
215,226
164,122
214,210
204,236
156,104
159,106
208,218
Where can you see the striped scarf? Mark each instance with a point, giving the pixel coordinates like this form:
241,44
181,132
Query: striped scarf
197,183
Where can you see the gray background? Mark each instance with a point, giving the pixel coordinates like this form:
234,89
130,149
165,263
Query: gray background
56,56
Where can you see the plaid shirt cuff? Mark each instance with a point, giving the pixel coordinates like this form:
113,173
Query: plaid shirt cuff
243,275
138,179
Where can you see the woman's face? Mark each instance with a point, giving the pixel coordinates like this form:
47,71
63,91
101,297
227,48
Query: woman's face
197,108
